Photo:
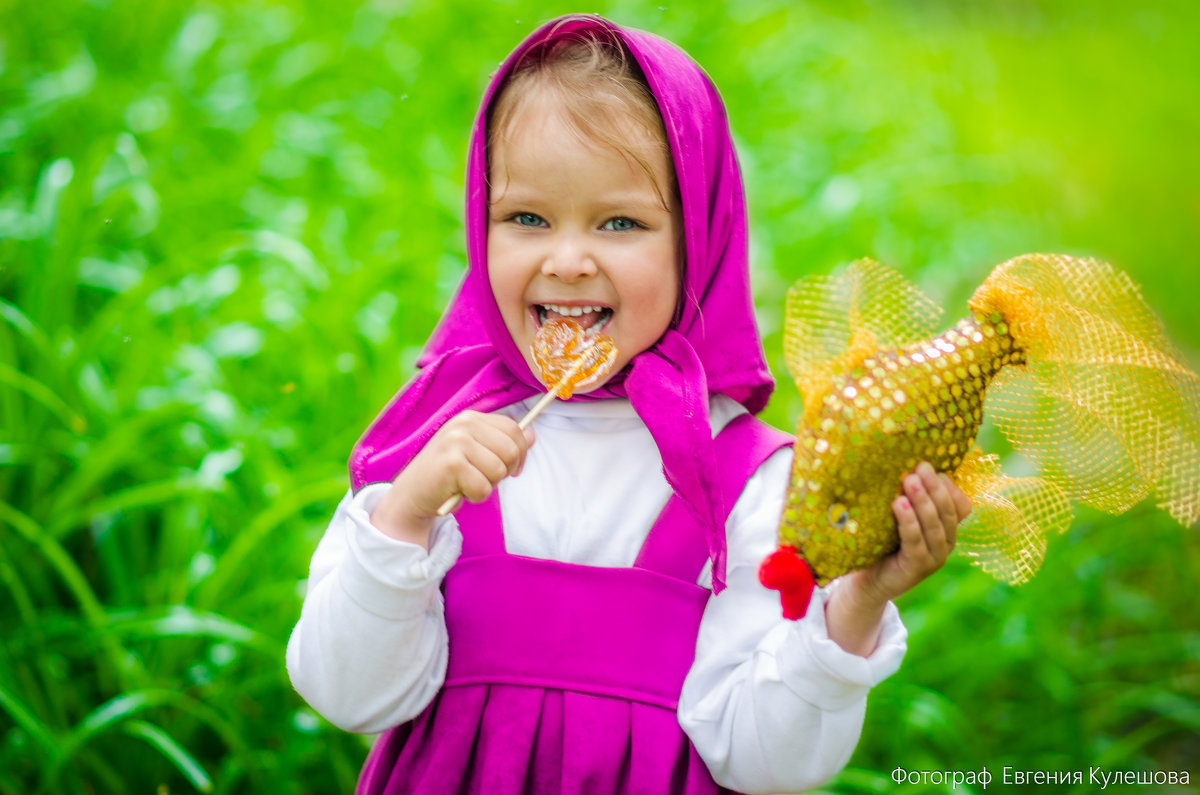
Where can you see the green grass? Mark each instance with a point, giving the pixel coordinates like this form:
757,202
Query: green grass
227,228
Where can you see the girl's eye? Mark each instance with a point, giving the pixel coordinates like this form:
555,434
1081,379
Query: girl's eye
528,219
619,224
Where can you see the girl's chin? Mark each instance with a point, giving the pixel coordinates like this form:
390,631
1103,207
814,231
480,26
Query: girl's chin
578,390
587,390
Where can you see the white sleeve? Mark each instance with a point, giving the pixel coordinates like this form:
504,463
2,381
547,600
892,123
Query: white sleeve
369,650
774,705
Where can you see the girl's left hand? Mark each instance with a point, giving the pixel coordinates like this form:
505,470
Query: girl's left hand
927,515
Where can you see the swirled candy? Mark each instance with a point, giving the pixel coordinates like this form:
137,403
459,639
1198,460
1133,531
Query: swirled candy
570,358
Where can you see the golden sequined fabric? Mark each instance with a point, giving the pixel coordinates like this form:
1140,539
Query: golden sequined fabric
1062,353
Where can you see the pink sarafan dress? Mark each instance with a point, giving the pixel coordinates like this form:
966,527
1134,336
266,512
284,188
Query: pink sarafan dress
564,678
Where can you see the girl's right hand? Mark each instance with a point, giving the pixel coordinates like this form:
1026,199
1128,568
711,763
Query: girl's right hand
468,455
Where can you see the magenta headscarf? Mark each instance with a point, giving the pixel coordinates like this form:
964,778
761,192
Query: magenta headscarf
471,362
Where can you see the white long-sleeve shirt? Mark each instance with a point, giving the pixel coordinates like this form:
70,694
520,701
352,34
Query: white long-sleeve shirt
771,705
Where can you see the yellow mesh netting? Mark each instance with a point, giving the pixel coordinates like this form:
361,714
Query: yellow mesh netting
1006,532
1105,408
833,322
1062,353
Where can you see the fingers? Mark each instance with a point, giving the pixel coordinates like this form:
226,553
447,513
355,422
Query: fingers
921,490
935,507
912,538
937,488
927,516
476,473
480,450
467,457
962,503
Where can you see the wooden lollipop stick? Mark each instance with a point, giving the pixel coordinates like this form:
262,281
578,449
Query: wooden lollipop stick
455,501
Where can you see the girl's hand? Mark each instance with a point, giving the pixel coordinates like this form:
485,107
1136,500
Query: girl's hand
928,515
468,455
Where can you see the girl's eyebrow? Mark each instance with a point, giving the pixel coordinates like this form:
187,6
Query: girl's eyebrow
511,195
613,201
639,199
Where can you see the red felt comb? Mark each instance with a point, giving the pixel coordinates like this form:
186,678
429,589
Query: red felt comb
785,571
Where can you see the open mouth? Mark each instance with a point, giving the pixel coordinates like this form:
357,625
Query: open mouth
591,318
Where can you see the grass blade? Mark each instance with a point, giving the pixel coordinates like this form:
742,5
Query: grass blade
237,557
39,732
120,709
117,447
43,395
140,496
166,745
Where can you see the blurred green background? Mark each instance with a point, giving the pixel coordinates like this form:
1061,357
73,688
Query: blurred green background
227,228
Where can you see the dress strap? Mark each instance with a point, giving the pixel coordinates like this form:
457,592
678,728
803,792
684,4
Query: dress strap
675,546
486,533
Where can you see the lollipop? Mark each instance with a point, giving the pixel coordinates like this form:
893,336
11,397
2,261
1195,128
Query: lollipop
570,359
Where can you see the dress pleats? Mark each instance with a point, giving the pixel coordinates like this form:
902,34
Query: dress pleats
565,678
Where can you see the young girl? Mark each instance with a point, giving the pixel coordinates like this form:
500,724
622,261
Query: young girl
591,620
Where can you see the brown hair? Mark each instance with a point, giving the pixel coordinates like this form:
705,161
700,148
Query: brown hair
597,86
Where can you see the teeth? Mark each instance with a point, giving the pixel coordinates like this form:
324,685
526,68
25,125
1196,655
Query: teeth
596,328
572,311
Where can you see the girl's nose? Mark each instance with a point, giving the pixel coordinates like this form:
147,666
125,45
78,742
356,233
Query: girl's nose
569,260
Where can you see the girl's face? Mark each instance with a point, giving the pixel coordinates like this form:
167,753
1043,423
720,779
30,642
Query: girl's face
578,229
